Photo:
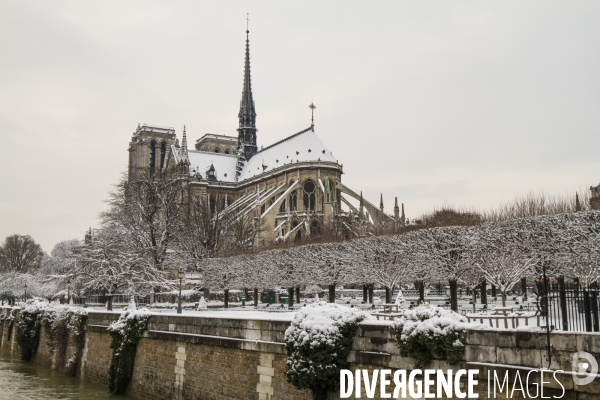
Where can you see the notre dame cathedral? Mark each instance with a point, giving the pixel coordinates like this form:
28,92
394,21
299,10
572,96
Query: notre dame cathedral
291,189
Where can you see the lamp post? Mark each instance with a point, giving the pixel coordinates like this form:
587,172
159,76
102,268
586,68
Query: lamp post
181,276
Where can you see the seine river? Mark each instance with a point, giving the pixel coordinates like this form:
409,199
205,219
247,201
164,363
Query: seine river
21,380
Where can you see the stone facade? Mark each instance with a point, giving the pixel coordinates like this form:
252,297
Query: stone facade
217,144
595,197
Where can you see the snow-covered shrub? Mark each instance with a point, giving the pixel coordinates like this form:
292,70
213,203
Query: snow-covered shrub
126,332
400,302
426,331
202,304
318,343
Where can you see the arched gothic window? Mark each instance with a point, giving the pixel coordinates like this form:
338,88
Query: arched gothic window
152,154
163,154
293,201
309,198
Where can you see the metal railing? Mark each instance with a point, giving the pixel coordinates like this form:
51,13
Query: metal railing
570,308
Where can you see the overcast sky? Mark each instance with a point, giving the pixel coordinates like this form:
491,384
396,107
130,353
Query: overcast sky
463,103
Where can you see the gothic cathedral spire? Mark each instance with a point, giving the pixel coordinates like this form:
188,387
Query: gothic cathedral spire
184,147
247,114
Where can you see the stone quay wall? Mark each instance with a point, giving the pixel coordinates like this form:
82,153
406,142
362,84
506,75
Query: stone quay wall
194,357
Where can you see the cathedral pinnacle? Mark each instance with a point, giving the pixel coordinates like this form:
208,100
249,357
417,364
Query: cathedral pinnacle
247,115
184,148
312,115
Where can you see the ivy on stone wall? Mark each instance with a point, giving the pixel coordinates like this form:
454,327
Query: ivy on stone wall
318,343
28,331
76,328
125,334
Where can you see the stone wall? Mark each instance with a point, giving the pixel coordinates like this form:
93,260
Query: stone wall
190,357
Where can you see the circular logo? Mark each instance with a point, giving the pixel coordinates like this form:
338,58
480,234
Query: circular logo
585,367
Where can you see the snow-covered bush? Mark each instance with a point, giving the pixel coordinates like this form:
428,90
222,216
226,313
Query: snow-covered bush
426,331
126,332
318,342
202,304
400,302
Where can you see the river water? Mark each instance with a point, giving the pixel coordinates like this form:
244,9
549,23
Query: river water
20,380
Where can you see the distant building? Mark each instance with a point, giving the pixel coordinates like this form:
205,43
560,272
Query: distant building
595,197
291,189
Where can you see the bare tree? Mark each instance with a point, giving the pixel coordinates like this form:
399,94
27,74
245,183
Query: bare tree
21,254
110,265
146,211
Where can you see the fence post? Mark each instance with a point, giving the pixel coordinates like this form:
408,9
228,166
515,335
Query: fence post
563,303
594,301
587,310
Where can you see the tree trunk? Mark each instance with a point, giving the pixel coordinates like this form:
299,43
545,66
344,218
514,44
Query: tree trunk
494,291
453,295
365,294
290,297
298,294
370,294
388,295
255,297
332,293
484,292
206,294
524,288
420,285
226,298
504,299
474,294
109,302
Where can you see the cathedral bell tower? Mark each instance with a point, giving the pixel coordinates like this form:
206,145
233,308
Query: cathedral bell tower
247,114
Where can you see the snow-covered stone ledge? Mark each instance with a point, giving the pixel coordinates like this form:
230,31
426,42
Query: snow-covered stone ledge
209,347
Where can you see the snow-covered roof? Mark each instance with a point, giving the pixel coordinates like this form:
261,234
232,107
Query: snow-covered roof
224,164
301,147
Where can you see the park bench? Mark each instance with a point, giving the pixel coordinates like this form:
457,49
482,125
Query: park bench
513,318
386,315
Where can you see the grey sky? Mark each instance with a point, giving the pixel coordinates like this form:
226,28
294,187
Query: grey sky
467,103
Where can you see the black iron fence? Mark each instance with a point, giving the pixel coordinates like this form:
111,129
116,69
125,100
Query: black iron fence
569,307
